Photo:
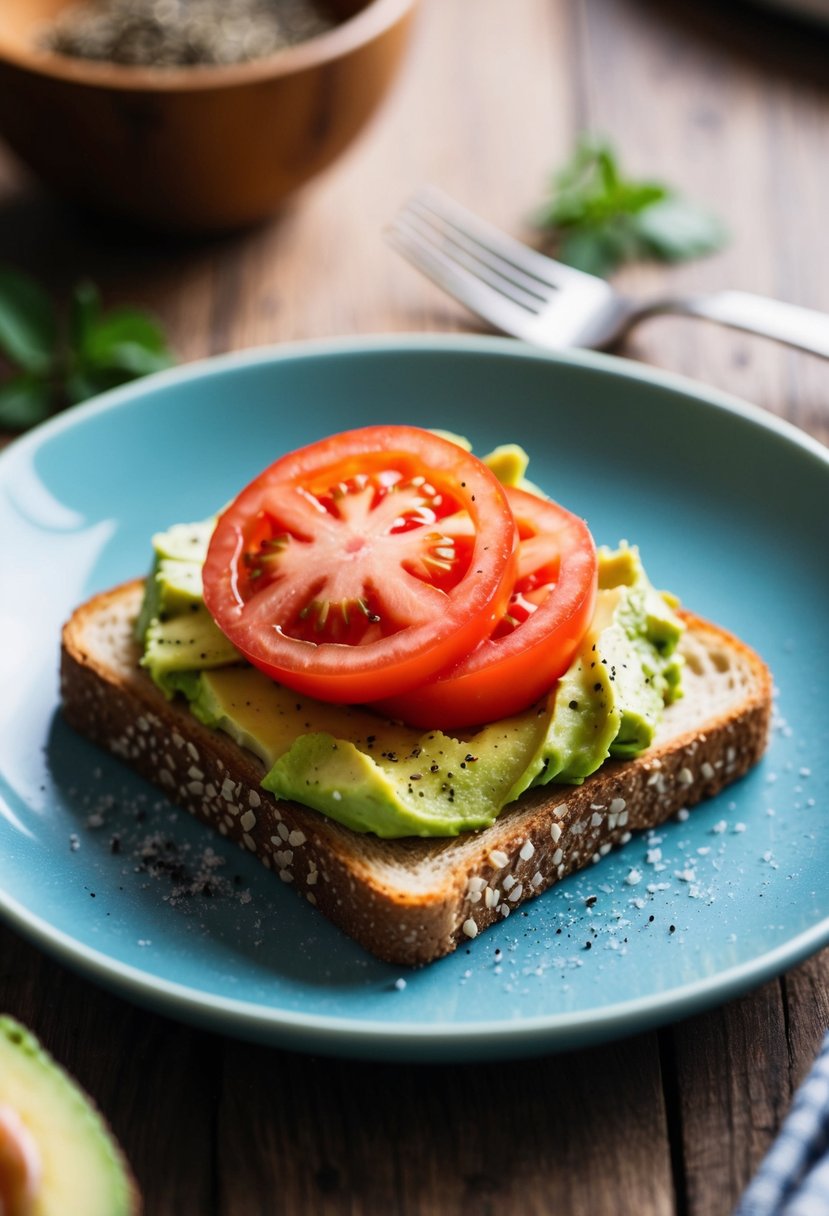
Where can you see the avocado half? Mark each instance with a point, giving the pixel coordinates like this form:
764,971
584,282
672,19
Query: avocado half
57,1155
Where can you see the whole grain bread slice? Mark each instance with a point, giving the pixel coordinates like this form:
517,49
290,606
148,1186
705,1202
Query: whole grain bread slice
411,901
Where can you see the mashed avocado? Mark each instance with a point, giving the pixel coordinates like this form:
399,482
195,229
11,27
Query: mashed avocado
383,777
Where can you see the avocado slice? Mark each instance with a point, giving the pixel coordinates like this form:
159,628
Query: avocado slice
57,1155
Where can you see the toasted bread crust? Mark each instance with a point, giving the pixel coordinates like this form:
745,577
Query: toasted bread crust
411,901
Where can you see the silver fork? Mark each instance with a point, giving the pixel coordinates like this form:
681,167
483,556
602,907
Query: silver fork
533,297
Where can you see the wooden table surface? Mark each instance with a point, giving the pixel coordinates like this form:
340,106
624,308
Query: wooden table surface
730,103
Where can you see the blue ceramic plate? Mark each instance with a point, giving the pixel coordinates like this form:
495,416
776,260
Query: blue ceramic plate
729,507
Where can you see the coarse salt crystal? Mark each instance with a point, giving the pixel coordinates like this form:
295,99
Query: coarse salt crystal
555,832
498,858
634,877
470,928
527,850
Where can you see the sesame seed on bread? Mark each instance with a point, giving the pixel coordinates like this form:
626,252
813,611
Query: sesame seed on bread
413,900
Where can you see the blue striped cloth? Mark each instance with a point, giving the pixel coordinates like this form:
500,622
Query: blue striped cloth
793,1179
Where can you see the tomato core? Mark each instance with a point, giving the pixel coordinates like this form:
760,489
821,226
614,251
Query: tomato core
364,562
547,614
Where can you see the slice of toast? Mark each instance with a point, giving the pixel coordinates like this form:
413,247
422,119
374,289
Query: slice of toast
411,901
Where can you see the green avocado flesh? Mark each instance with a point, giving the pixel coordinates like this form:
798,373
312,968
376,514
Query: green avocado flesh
76,1168
393,780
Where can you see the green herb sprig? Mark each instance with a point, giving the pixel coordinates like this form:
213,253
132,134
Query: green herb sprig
598,218
54,361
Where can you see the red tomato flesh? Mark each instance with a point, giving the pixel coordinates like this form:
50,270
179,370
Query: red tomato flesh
533,644
361,565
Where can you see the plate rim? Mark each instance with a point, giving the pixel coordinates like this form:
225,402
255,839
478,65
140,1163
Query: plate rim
629,369
410,1040
398,1040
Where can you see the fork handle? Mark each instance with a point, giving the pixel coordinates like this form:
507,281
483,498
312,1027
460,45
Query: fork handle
801,327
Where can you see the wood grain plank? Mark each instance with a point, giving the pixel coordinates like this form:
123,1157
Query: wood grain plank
734,1088
806,993
682,92
565,1134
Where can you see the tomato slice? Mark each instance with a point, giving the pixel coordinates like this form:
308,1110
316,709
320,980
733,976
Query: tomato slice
548,614
361,565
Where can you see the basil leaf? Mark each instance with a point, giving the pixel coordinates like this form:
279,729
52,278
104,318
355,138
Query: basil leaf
124,327
84,312
675,229
80,386
128,358
24,401
111,348
28,325
92,352
594,252
598,218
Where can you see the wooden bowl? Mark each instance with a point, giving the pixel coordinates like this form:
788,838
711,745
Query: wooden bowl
193,149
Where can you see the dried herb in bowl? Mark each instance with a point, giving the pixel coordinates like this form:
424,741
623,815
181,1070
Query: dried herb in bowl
184,33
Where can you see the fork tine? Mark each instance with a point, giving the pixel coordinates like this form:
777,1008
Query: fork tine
459,282
471,256
546,271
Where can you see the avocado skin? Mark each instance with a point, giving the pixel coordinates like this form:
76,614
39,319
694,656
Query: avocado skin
84,1172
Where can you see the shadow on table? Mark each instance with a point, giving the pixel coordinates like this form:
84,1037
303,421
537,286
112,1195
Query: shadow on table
61,245
779,39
